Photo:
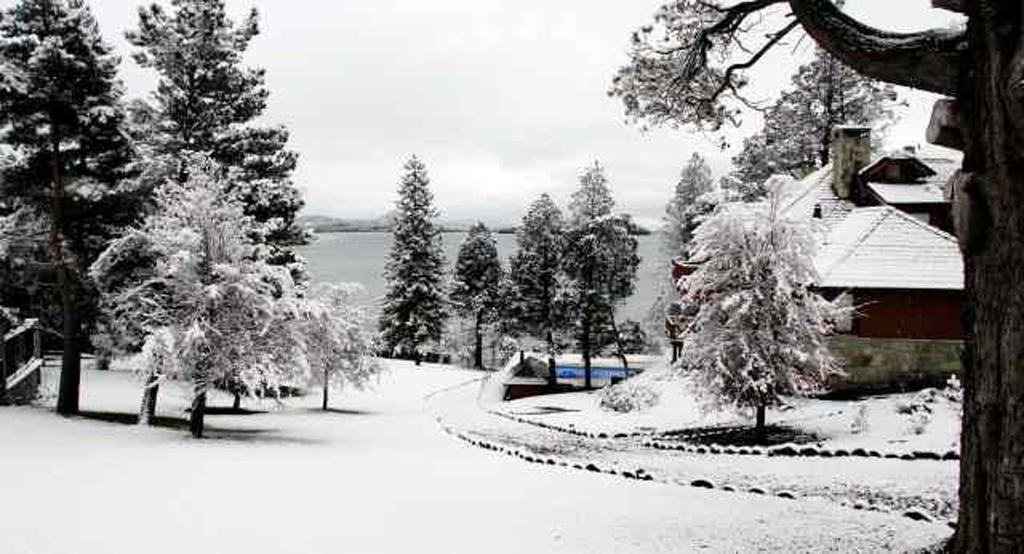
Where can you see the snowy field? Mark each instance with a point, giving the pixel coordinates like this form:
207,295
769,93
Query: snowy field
378,474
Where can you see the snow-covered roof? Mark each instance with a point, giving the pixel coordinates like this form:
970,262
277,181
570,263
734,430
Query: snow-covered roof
882,247
909,193
944,168
801,197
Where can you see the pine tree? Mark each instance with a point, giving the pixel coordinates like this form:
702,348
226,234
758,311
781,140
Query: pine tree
207,102
797,133
759,331
693,199
600,260
476,287
60,116
414,309
535,276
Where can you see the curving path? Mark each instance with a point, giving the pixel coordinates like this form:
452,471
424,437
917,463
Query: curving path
378,475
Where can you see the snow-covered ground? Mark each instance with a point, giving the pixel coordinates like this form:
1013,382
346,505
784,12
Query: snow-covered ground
880,423
378,474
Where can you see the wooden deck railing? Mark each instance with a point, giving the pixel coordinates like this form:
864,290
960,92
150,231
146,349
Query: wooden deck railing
21,355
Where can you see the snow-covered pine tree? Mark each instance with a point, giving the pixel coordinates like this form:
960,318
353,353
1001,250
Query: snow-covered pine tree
759,331
600,260
335,342
210,309
536,283
62,122
414,309
693,198
476,286
207,102
797,133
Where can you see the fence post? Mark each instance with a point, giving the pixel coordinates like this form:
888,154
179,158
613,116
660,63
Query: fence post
37,341
3,372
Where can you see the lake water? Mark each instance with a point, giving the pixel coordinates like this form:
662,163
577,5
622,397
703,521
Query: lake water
360,258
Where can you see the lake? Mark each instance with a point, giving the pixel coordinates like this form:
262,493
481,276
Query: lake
360,258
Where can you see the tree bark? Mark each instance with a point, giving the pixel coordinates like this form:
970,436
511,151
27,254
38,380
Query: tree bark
992,462
236,404
478,352
198,415
552,367
586,353
71,359
618,340
759,426
149,396
327,389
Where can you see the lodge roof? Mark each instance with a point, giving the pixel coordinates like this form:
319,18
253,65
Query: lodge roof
803,196
909,193
884,248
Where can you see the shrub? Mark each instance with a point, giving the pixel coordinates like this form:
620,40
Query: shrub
628,396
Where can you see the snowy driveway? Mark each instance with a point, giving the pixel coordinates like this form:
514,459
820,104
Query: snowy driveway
378,475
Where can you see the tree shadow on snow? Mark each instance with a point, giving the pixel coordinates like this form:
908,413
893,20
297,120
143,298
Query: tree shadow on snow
341,411
210,432
133,419
228,410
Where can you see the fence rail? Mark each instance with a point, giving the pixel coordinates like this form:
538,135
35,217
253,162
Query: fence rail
21,356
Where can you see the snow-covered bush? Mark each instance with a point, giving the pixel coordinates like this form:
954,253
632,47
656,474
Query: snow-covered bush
918,410
629,396
759,330
860,419
954,391
919,420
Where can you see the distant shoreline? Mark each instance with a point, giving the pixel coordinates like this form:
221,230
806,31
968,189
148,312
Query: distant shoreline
336,231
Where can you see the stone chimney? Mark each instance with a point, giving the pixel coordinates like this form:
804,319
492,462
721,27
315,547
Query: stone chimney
851,152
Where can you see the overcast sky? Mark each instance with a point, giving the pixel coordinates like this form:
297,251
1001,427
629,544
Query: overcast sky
503,99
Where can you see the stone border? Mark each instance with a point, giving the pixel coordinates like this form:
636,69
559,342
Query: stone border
642,475
651,440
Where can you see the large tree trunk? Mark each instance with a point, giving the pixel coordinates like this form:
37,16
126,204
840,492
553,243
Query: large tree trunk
327,389
149,396
585,343
618,340
478,352
196,421
759,426
71,359
990,222
552,367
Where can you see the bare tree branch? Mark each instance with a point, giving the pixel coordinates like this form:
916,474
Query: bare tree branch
929,60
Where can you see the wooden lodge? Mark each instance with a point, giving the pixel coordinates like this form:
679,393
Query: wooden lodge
888,255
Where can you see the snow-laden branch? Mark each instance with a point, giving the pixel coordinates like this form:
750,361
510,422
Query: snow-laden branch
928,60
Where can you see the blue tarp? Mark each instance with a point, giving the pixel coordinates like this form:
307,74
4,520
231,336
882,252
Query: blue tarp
577,372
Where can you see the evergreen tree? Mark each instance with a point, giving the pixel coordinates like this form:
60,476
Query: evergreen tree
207,101
476,289
61,118
600,260
759,332
797,133
414,311
693,199
535,279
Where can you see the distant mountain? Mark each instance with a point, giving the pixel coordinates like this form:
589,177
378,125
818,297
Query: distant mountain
327,224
